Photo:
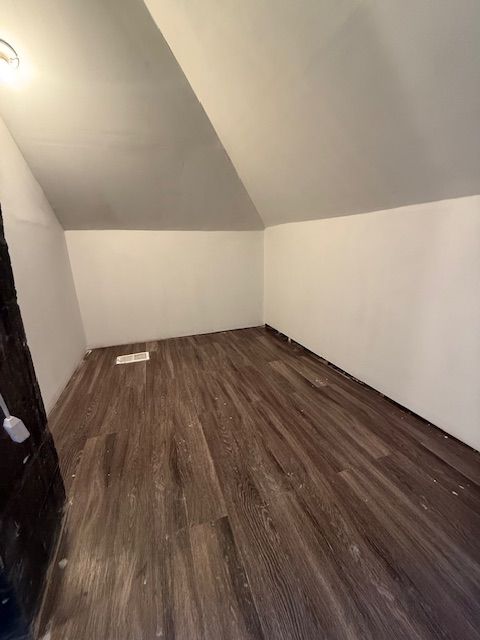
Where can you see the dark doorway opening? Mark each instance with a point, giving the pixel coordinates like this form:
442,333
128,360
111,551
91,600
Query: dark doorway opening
32,494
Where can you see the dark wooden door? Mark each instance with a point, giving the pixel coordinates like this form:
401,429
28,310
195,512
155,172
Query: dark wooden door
32,494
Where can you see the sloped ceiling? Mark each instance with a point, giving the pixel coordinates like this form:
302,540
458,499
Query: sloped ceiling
333,107
109,124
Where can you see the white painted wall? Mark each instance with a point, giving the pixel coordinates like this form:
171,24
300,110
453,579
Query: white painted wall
42,273
144,285
391,297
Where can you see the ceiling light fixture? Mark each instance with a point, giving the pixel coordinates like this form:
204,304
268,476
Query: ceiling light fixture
9,60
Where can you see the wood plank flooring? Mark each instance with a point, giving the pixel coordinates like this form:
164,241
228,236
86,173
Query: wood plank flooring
236,487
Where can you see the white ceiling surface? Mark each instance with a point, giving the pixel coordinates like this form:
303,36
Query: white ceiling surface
332,107
109,124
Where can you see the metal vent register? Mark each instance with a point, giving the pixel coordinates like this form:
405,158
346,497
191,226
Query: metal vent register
133,357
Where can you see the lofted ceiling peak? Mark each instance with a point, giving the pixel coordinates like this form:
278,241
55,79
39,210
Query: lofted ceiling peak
334,107
109,124
312,109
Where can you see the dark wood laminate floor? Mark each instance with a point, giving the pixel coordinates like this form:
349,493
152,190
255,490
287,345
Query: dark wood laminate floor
236,487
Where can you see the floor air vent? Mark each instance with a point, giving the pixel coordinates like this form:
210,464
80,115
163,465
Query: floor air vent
133,357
